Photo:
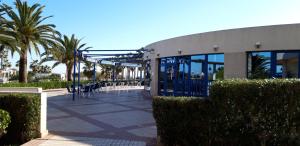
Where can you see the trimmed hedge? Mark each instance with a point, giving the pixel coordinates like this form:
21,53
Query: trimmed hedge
257,112
45,84
24,110
182,120
239,112
4,121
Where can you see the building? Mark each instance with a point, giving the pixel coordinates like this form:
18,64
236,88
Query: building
6,73
186,65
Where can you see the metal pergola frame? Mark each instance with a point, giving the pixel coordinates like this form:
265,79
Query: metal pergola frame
135,58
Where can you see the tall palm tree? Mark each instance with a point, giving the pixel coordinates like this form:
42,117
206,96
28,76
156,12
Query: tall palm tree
105,70
119,69
63,53
26,26
88,69
7,42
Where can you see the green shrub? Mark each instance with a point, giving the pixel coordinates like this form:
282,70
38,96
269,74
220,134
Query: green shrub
257,112
182,120
43,84
24,110
4,121
238,112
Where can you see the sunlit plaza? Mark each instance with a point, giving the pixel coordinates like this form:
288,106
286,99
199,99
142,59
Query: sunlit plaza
112,117
149,73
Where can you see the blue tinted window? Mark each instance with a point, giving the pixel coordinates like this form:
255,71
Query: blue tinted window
259,65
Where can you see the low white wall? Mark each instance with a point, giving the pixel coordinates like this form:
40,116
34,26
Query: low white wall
43,97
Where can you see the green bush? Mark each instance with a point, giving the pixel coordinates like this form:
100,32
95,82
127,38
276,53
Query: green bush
257,112
24,110
44,84
182,120
238,112
4,121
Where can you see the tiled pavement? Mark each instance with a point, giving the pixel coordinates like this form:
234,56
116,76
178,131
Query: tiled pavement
113,118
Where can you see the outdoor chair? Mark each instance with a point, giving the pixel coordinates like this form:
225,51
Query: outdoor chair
86,90
139,84
70,91
122,84
114,85
97,87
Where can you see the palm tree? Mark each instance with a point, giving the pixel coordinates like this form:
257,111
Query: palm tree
7,42
105,70
63,53
119,69
25,26
88,69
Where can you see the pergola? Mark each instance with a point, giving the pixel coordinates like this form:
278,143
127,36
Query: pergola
129,58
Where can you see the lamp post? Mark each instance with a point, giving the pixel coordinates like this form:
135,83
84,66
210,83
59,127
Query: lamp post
74,72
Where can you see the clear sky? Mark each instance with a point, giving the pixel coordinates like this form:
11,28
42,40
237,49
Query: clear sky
132,24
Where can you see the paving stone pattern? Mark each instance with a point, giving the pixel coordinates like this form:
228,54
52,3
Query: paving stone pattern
111,118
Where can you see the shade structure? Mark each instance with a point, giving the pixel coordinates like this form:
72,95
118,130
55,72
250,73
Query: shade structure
127,58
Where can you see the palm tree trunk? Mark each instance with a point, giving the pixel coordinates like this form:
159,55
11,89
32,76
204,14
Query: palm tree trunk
122,74
69,72
23,67
134,74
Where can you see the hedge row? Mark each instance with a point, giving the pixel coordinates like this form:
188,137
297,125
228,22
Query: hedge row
45,84
182,120
4,121
238,112
24,110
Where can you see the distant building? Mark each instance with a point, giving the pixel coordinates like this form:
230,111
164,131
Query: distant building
63,77
6,73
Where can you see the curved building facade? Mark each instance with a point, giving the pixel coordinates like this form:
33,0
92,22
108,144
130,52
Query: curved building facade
186,65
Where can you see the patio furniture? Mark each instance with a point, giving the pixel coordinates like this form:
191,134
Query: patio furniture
139,83
86,90
97,87
70,91
114,84
122,84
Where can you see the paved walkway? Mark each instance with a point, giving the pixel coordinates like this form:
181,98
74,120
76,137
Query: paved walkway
113,118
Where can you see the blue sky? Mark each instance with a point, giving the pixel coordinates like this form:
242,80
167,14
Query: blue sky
132,24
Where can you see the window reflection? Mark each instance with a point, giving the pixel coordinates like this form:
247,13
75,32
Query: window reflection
182,75
215,67
170,74
259,65
188,75
161,76
197,67
287,65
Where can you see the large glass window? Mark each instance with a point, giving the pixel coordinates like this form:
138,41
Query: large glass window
198,75
274,64
188,75
170,75
259,65
183,63
197,67
215,67
182,75
161,76
287,65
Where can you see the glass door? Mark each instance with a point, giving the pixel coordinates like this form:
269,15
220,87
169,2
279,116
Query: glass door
182,76
170,76
198,84
161,81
